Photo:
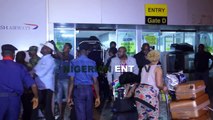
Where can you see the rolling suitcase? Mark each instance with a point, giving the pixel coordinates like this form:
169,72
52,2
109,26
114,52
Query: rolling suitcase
190,90
188,109
203,117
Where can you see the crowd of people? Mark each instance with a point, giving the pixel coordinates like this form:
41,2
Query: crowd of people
36,82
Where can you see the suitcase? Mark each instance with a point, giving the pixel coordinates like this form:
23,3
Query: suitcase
190,90
188,109
203,117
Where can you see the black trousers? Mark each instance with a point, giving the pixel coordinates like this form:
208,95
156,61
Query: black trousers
203,76
26,99
28,112
45,104
125,116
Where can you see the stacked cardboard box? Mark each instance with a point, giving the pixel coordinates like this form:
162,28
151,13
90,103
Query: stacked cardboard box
191,101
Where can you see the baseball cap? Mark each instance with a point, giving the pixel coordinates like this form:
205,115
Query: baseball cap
33,48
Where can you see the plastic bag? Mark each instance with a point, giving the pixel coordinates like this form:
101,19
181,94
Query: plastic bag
172,80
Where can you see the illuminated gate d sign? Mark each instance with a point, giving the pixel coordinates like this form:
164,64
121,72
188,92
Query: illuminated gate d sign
156,14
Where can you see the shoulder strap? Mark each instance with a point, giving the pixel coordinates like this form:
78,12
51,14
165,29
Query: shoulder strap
145,103
147,68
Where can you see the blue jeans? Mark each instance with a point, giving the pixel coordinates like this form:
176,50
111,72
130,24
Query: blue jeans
62,90
83,101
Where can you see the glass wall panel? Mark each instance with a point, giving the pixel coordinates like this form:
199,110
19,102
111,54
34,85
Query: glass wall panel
64,34
151,38
106,38
207,40
127,38
168,38
190,38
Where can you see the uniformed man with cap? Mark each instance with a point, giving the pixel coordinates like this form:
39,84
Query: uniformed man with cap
44,70
13,77
34,58
80,85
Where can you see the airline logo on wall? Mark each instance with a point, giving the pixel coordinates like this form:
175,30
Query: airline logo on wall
26,26
156,14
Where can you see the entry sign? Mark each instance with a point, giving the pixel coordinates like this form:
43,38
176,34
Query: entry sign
156,14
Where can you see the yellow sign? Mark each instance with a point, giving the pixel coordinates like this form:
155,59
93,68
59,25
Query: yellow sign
152,40
130,46
160,10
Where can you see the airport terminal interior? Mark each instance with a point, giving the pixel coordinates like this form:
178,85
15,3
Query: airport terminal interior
160,37
170,37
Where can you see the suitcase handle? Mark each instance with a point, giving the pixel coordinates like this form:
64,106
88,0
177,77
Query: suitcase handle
209,108
193,91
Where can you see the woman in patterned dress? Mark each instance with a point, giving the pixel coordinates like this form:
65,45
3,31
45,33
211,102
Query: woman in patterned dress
148,89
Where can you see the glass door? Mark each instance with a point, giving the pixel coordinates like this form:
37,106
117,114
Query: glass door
64,34
206,38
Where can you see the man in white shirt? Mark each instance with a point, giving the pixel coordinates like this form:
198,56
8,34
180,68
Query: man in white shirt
120,64
44,71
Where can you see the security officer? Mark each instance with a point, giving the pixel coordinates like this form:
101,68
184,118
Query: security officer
13,77
34,58
81,82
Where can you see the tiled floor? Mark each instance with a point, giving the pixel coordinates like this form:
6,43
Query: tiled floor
106,114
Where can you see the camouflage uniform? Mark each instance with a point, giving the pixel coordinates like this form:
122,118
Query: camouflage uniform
33,61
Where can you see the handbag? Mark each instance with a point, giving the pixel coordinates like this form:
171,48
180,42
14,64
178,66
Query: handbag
124,105
73,113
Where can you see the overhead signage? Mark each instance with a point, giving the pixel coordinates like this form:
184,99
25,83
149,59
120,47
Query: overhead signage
156,14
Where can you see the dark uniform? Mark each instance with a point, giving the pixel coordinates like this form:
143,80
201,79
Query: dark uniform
13,77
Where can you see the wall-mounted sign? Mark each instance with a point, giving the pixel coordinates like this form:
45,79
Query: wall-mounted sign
25,26
130,46
152,40
23,23
127,39
156,13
